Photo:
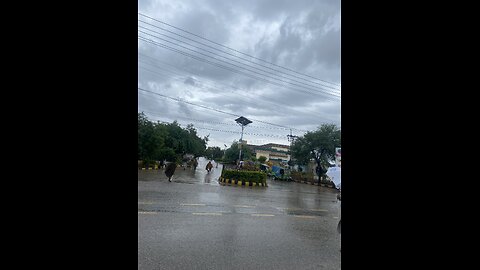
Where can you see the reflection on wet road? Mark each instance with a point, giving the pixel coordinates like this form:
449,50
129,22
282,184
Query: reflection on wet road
193,222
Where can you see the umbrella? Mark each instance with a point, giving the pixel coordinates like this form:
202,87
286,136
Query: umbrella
334,173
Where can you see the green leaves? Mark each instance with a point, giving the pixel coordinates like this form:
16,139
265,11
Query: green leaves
158,141
250,176
262,159
214,153
232,153
319,145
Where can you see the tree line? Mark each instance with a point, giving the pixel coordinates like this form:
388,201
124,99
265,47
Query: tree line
159,141
167,141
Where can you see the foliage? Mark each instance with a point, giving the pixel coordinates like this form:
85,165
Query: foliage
231,154
214,153
159,141
262,159
319,145
250,176
151,139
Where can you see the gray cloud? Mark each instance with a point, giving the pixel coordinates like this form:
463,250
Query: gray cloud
301,35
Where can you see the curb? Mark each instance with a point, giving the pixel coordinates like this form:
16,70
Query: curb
312,183
143,169
233,182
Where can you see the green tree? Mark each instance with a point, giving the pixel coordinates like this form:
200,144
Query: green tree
232,153
319,145
262,159
185,141
214,153
150,141
159,141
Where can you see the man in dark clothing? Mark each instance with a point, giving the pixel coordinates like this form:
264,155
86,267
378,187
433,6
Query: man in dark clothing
170,170
209,166
195,164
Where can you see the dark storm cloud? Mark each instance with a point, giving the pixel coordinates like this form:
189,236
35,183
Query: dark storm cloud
301,35
190,81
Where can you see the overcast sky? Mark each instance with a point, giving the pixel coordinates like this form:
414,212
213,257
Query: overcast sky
300,37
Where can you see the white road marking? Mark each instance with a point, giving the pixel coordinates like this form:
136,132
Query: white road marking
262,215
319,210
147,212
145,202
300,216
192,204
244,206
207,214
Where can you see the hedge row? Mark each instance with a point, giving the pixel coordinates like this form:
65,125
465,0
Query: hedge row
249,176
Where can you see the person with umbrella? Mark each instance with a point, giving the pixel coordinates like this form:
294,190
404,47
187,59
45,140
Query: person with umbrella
334,173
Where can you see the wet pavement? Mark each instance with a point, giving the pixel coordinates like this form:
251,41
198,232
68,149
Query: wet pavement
194,222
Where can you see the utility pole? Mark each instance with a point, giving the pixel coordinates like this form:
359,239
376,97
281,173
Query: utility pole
291,139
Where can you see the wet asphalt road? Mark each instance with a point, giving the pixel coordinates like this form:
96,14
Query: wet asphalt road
195,223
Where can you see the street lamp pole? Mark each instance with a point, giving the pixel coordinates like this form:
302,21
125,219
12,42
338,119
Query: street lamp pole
241,138
242,121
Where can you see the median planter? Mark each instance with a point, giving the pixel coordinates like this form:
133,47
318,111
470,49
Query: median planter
244,178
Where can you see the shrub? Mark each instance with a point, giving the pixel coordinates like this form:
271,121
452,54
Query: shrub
249,176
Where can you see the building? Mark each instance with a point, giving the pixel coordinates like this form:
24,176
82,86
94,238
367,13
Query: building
276,153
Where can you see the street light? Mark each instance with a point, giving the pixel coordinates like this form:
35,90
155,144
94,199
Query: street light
242,121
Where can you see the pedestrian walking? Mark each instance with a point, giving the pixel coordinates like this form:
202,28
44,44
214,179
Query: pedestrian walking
195,164
170,170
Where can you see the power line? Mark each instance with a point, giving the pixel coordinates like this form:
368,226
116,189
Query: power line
206,45
325,91
205,107
231,69
204,87
185,31
231,131
228,86
268,76
220,111
217,123
184,101
224,142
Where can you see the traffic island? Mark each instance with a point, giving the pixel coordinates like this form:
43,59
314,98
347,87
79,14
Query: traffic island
322,183
243,178
309,179
149,168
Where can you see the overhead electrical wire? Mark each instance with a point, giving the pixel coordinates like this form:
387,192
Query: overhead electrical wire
231,131
241,67
276,103
213,109
185,31
277,72
231,69
214,122
233,92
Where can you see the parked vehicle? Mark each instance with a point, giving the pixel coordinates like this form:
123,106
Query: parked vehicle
280,173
